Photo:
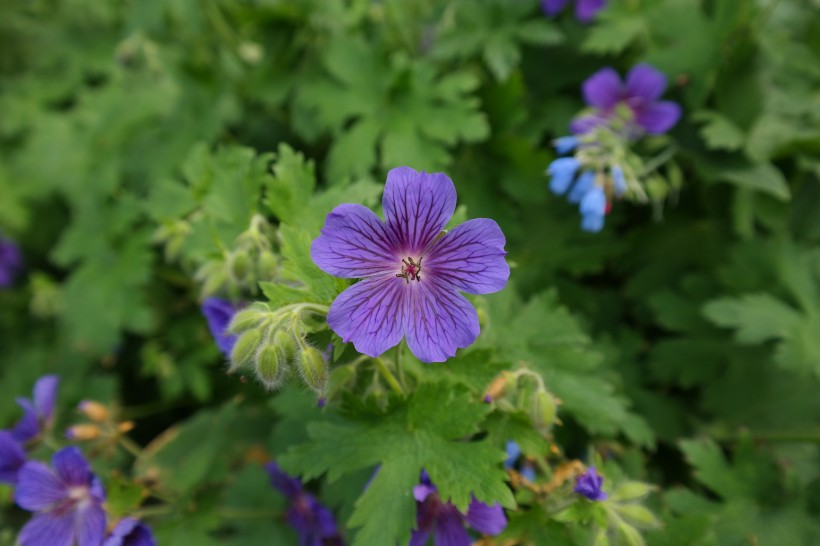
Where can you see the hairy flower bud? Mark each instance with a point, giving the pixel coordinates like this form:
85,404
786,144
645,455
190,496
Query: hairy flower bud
250,317
245,349
313,368
240,265
266,265
94,410
543,410
271,364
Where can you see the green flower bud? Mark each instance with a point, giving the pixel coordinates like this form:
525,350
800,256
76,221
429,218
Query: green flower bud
266,265
240,264
284,340
271,364
251,317
543,410
245,349
527,385
313,369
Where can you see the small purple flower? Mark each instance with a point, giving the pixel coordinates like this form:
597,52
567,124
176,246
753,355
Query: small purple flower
219,313
68,501
644,85
411,273
11,262
589,485
130,532
12,457
38,413
313,522
585,10
446,523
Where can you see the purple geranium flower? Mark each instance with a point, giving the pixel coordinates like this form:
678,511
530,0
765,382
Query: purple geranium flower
445,521
589,485
411,273
219,313
11,262
644,85
68,501
38,413
585,10
130,532
12,457
313,522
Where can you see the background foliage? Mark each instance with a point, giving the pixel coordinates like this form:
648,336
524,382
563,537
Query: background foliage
139,139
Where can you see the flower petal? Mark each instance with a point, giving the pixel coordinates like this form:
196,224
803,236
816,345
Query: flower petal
48,530
553,7
354,243
417,206
603,89
659,117
131,532
288,485
470,257
592,223
218,314
644,82
419,538
450,530
586,10
90,525
12,457
45,393
489,520
28,426
422,491
369,313
71,467
38,488
438,320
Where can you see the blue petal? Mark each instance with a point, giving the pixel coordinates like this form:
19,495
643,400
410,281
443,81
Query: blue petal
565,144
585,183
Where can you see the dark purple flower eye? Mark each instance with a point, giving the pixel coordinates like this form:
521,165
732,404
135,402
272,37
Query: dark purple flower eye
411,273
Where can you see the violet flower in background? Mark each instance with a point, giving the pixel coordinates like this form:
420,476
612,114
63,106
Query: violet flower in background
11,262
644,85
585,10
67,501
313,522
38,413
219,313
446,523
130,532
411,274
12,457
589,485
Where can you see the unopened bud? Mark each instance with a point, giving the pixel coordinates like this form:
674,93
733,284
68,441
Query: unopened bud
94,410
313,369
250,317
543,410
496,388
245,349
240,265
284,340
266,265
125,426
528,385
83,432
271,364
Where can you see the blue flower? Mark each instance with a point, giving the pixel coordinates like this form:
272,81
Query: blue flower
67,501
313,522
446,523
593,209
130,532
513,456
565,144
12,457
38,413
219,313
586,181
618,181
11,262
589,485
562,172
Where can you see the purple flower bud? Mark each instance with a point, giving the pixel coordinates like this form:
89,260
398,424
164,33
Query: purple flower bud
11,262
585,10
589,485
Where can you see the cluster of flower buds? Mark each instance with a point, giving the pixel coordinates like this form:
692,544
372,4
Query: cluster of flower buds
272,345
523,391
598,165
103,426
239,270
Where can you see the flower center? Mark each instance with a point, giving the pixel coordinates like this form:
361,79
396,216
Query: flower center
410,270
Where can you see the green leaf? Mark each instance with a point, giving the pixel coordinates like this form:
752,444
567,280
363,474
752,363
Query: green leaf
299,267
756,317
719,132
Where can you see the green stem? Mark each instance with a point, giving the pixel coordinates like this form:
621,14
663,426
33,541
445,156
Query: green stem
130,446
659,160
160,510
388,376
239,513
